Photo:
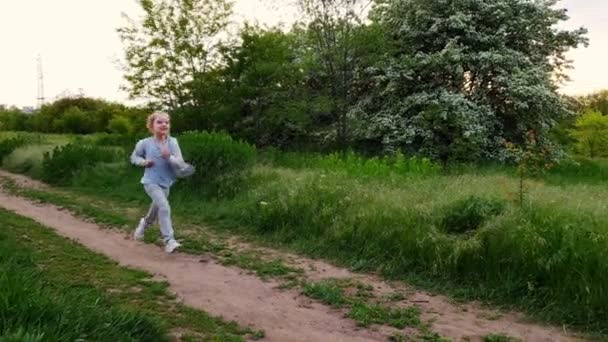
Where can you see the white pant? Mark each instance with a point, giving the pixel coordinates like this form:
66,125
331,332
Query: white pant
159,209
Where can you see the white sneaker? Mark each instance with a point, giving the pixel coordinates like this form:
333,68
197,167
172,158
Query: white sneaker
139,231
171,246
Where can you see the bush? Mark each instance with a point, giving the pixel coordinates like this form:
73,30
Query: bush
75,121
60,166
10,144
126,141
7,146
120,125
469,214
221,162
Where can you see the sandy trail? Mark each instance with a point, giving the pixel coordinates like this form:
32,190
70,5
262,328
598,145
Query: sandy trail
284,315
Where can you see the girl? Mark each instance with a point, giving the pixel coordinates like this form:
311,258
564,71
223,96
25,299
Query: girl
155,154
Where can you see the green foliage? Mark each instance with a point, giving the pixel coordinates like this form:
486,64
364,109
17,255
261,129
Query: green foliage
532,160
335,47
266,87
64,162
449,83
469,214
174,43
74,120
326,292
355,164
120,125
77,115
7,146
579,171
465,76
591,134
365,314
14,120
596,102
221,161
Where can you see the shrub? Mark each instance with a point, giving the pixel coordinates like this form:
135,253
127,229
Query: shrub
125,141
221,161
120,125
469,214
7,146
59,166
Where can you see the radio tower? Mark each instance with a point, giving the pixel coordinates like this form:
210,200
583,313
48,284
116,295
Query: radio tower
40,83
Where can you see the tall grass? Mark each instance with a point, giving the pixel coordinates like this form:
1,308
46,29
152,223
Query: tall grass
354,164
580,171
549,257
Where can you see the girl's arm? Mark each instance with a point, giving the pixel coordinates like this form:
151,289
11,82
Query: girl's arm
176,156
138,157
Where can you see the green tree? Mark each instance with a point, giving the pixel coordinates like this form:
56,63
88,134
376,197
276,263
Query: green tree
464,75
174,43
120,125
597,102
13,119
267,81
334,51
591,134
75,121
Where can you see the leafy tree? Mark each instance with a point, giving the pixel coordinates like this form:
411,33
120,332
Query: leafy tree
76,121
175,43
13,119
464,75
120,125
591,134
267,81
596,102
334,51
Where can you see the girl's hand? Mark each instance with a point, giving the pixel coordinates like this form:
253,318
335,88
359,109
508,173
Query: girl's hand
165,152
148,163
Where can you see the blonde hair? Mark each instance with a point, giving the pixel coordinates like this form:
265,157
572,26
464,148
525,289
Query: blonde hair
152,117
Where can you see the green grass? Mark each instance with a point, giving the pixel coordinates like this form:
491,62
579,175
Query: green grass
52,289
263,268
327,292
361,306
365,314
499,338
547,258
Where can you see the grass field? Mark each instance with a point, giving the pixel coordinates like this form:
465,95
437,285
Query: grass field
460,231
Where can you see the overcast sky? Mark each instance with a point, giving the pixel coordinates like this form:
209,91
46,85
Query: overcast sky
78,43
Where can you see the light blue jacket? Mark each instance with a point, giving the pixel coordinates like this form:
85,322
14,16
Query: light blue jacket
161,172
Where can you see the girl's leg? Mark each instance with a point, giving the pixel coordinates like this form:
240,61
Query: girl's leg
163,210
152,215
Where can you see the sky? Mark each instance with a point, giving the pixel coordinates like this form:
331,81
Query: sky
79,46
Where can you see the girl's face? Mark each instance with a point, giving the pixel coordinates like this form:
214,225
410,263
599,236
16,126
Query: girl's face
161,125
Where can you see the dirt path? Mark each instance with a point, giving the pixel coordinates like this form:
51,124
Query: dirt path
284,315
